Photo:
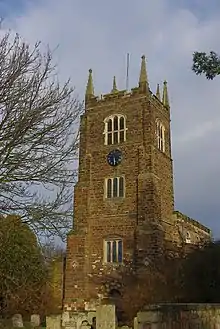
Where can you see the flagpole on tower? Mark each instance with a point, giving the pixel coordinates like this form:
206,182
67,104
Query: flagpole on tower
127,71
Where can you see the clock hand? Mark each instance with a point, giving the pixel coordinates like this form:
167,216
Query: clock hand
114,160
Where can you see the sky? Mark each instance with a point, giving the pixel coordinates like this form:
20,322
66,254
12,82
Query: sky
98,34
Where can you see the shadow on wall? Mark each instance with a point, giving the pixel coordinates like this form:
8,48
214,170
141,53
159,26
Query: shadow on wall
180,316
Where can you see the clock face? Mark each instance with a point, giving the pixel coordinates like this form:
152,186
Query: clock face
114,157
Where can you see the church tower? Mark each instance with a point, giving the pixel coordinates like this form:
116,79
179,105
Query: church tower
123,201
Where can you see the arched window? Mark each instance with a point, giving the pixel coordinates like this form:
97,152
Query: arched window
113,250
115,187
160,136
188,237
115,129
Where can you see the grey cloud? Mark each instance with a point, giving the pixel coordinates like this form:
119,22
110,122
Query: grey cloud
99,34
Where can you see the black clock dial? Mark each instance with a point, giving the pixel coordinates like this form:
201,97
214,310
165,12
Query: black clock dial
114,157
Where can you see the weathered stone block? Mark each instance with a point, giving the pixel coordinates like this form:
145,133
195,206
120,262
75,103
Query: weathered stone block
53,322
17,321
65,318
135,323
150,316
35,320
105,317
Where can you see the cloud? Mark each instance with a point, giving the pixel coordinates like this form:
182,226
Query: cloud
200,131
98,34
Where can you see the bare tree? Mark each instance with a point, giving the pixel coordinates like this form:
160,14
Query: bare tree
38,137
52,250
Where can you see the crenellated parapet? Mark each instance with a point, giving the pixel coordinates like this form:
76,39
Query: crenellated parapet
142,89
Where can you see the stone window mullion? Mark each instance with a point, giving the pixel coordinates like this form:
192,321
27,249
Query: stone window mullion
115,130
113,251
160,136
114,187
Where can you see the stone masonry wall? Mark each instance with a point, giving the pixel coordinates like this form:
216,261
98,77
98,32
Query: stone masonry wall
179,316
160,316
142,219
96,217
190,229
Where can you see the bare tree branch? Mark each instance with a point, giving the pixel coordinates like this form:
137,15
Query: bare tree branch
38,137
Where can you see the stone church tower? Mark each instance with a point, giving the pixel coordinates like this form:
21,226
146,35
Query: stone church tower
124,200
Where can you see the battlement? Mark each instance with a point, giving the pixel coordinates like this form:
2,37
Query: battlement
142,90
181,216
123,95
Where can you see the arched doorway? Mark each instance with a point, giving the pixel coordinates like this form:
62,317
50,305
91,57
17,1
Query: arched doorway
116,298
